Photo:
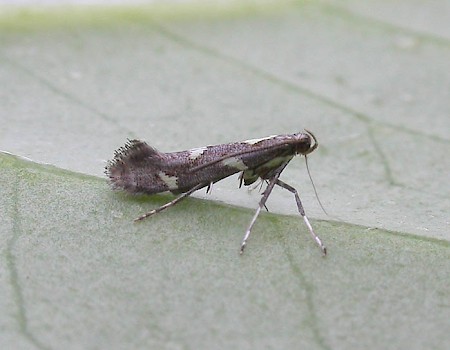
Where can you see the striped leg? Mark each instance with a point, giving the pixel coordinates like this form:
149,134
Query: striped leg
262,203
302,213
171,203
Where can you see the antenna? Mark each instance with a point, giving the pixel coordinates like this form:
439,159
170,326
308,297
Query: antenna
314,186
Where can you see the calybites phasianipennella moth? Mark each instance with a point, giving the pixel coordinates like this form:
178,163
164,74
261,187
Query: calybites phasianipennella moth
139,168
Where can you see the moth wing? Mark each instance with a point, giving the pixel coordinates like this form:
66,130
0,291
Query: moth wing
133,163
229,160
232,159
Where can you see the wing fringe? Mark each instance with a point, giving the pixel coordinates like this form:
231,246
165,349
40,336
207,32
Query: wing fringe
127,158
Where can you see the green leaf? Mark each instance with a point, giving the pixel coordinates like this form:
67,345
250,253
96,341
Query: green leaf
76,271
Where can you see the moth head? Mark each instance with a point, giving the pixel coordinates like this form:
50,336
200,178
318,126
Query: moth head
304,144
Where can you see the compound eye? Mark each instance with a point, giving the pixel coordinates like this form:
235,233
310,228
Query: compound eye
312,147
303,145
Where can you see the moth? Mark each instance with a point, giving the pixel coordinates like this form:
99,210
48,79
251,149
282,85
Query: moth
140,168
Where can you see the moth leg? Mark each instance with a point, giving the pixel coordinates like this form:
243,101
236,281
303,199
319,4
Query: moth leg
259,184
302,213
171,203
209,188
262,204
